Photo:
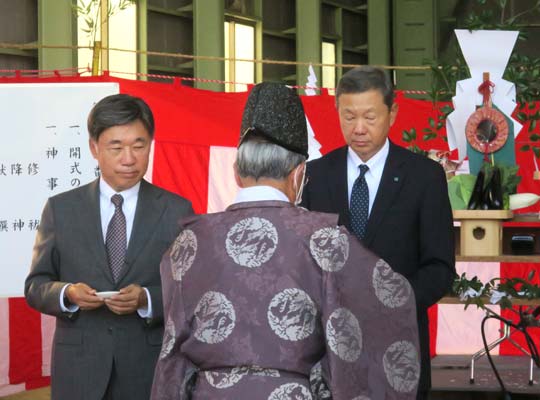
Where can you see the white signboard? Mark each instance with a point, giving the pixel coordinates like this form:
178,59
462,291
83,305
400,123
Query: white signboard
44,152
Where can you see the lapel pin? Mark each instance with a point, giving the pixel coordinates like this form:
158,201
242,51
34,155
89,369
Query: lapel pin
396,178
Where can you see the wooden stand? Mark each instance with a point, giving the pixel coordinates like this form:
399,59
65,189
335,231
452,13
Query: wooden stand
481,231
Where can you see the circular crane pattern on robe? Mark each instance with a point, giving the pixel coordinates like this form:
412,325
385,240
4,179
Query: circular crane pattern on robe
291,391
291,314
223,380
401,366
214,318
344,335
251,242
183,253
169,336
330,248
391,288
486,130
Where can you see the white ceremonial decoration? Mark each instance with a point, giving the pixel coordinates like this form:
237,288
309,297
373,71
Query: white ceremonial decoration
314,147
311,83
45,152
484,51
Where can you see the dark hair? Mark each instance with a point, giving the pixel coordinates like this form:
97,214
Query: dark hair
365,78
119,109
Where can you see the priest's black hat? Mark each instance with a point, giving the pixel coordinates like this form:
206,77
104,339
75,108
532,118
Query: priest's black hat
274,111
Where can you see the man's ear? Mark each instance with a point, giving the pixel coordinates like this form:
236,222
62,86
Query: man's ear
393,113
93,147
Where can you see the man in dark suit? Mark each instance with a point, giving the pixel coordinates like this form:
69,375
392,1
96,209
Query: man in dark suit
106,236
399,208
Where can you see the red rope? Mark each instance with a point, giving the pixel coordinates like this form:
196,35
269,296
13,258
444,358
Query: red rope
485,89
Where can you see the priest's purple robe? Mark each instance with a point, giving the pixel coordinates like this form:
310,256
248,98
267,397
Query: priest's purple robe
259,295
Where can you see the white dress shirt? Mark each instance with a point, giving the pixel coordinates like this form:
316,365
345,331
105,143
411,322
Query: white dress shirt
373,175
106,206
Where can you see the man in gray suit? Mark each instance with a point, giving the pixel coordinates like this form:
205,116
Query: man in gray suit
106,236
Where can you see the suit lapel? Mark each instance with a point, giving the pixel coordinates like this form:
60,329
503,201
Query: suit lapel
392,181
338,186
150,206
91,213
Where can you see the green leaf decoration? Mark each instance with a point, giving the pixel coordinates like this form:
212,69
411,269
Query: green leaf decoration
509,178
510,288
521,116
406,136
430,136
460,189
531,275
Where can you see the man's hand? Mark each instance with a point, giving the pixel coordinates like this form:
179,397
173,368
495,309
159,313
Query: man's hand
83,295
129,300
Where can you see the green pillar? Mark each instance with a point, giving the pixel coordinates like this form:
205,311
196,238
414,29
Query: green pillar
339,43
208,40
56,27
142,36
308,38
414,41
379,32
257,6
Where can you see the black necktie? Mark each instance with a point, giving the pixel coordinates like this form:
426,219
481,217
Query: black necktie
116,241
359,207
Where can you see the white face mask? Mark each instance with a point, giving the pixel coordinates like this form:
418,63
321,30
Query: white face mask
300,189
